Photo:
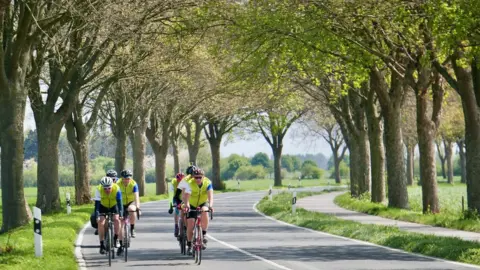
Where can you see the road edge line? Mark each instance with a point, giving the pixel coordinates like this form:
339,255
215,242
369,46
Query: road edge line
363,242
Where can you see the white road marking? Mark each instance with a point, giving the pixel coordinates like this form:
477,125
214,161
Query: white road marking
248,253
363,242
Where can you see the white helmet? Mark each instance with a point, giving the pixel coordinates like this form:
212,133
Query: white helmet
106,181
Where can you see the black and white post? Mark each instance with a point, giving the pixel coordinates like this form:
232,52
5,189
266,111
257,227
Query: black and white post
294,202
37,231
69,206
270,193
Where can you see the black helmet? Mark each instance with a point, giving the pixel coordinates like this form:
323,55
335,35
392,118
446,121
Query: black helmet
190,169
111,173
126,173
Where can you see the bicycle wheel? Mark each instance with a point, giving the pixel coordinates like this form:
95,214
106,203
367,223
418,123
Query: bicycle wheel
113,245
180,237
199,246
194,244
126,240
109,245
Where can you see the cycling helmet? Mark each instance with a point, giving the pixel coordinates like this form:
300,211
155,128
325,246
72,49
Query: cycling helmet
180,176
190,169
198,171
111,173
126,173
106,181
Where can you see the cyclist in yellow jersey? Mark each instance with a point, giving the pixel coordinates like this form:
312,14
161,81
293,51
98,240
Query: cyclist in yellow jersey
130,194
197,192
108,199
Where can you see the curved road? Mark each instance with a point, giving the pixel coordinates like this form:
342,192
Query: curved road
240,238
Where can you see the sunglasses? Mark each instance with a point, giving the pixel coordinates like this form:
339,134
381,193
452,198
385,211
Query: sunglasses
107,188
198,177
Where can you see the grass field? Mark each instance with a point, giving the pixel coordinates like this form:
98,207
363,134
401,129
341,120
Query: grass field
442,247
450,216
264,184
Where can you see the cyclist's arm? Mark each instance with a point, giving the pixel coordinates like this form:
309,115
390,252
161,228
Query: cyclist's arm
176,197
210,195
186,194
119,203
97,201
137,196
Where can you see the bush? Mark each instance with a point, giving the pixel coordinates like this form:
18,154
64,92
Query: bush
150,176
30,176
251,172
66,175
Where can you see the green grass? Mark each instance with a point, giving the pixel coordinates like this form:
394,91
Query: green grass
264,184
59,234
448,248
450,216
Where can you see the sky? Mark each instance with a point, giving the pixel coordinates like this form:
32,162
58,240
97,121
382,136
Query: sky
295,142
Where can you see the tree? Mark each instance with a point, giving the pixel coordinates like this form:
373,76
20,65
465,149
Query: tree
287,163
324,124
273,125
235,162
192,135
24,23
262,159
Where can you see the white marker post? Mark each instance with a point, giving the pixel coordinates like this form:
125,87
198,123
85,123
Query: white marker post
270,193
37,231
294,202
69,207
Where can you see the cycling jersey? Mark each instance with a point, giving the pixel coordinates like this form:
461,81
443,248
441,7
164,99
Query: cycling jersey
128,191
108,201
198,194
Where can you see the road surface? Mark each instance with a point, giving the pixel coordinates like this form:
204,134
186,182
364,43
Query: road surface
241,239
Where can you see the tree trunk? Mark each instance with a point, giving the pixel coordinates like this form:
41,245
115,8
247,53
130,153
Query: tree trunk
391,103
160,172
336,162
82,172
363,163
449,160
193,137
463,163
277,164
121,151
396,180
139,146
78,140
354,169
410,164
442,158
215,144
48,194
12,111
427,130
176,158
377,150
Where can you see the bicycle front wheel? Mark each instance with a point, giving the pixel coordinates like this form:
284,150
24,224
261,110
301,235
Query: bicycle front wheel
198,245
126,241
109,245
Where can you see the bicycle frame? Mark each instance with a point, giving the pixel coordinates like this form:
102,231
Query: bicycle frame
197,241
108,236
126,232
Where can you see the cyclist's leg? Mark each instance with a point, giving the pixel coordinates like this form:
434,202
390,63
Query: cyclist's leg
116,223
204,222
132,215
176,215
190,223
101,229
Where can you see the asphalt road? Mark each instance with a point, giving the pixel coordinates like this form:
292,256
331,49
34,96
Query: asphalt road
240,238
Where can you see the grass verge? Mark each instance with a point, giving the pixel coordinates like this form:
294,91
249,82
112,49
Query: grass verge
59,233
449,248
451,215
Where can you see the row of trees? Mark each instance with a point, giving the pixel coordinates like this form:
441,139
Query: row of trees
366,62
144,70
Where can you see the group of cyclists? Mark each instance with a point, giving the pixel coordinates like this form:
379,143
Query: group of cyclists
120,196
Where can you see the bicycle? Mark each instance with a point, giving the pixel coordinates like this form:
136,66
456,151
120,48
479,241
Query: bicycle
127,233
108,236
182,233
197,241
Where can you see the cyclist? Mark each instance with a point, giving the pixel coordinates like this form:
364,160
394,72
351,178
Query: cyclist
198,192
130,194
108,199
93,221
176,199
